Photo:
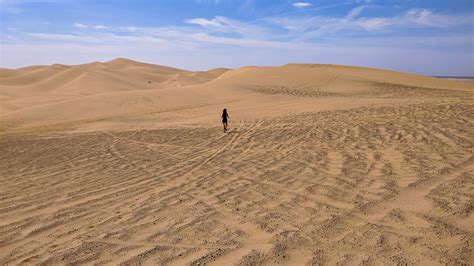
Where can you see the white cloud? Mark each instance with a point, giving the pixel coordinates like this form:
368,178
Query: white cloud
64,37
200,58
425,17
104,38
100,27
79,25
95,27
256,43
301,31
223,24
355,12
204,22
292,37
373,24
129,29
309,27
301,4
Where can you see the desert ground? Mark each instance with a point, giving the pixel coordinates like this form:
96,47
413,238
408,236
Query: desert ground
124,162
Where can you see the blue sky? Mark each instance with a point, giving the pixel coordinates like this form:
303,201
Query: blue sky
431,37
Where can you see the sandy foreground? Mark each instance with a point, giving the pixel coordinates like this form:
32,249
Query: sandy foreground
126,162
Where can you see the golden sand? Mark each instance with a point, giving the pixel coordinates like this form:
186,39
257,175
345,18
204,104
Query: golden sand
126,162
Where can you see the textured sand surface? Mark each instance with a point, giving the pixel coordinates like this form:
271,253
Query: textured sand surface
125,162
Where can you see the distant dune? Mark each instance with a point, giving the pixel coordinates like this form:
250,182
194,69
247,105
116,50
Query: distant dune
41,95
124,162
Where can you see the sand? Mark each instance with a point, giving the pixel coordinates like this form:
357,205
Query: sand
126,162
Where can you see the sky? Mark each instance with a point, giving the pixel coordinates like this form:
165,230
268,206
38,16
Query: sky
431,37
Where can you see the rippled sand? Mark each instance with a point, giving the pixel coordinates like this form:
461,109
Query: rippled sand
380,174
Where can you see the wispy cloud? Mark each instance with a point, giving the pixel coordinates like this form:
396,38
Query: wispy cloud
99,27
79,25
106,38
355,12
308,27
284,32
301,4
425,17
303,33
205,22
223,24
95,27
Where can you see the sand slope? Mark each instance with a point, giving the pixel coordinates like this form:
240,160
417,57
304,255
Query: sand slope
27,87
323,165
64,94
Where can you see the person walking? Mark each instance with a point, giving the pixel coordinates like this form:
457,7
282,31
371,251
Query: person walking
225,116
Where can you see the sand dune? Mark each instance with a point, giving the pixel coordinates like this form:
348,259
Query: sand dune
121,87
331,79
126,162
40,85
